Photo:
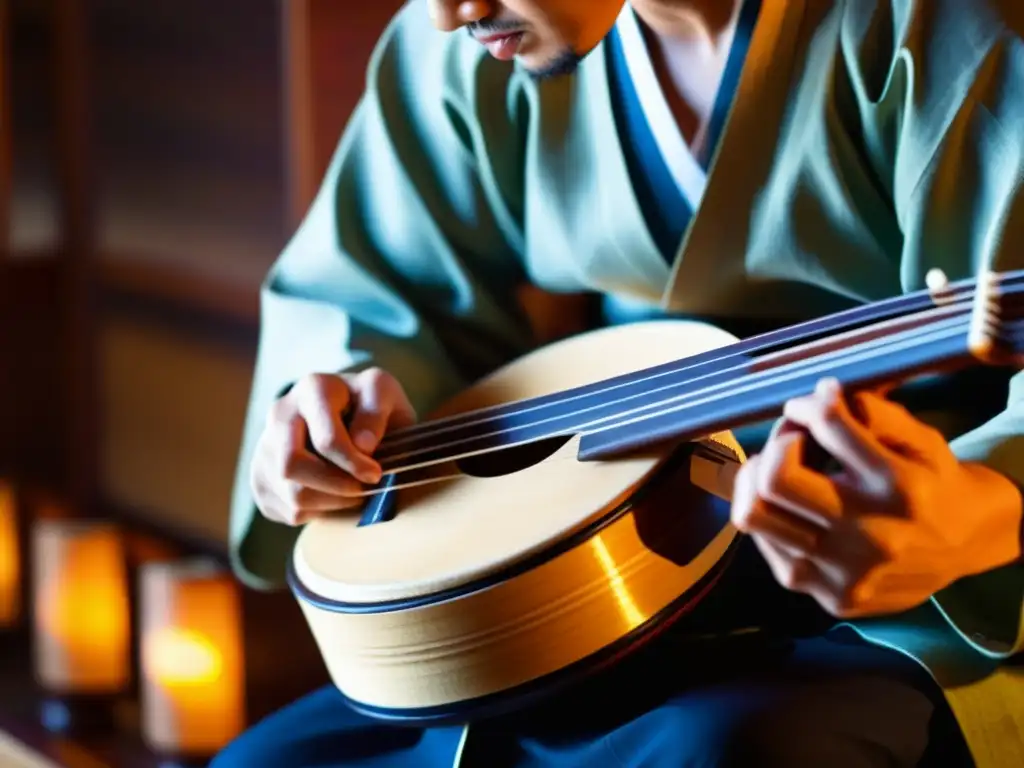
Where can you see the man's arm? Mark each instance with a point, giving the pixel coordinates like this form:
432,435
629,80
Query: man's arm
408,258
964,213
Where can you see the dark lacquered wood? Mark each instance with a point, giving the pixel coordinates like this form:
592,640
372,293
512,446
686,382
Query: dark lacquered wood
76,187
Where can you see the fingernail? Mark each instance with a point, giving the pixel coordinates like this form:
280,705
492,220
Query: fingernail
365,441
371,476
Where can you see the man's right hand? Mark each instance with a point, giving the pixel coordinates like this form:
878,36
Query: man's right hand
343,418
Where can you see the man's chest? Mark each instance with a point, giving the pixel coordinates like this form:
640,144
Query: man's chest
787,219
685,74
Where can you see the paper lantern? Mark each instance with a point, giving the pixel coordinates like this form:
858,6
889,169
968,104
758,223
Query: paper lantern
81,608
192,692
10,560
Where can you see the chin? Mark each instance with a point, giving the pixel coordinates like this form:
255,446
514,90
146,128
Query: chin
560,65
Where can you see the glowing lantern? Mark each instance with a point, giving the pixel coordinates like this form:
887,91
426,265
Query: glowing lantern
82,619
192,658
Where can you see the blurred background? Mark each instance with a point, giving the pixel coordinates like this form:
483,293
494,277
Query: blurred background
155,155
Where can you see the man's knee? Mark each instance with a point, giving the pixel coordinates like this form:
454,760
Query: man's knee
858,723
318,729
252,749
306,732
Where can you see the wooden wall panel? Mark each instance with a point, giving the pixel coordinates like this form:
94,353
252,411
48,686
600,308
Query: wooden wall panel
327,48
174,408
190,137
76,167
188,110
35,200
33,375
174,400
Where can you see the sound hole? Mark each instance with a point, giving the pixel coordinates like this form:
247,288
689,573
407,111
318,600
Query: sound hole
509,460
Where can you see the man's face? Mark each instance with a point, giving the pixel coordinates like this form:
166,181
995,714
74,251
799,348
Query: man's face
548,37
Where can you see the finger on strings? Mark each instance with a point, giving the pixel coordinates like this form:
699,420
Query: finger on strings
828,419
751,514
302,466
782,426
380,405
329,437
785,481
795,535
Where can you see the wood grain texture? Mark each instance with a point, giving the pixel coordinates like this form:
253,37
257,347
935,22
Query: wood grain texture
991,715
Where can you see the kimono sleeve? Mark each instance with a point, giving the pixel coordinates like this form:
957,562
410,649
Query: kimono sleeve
965,214
408,258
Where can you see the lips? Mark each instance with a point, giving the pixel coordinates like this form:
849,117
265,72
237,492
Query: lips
503,47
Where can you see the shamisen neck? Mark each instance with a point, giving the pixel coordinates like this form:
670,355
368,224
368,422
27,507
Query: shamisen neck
948,327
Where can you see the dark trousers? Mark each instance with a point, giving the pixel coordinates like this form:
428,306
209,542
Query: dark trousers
797,694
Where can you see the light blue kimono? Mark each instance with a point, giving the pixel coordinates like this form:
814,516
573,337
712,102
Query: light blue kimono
868,143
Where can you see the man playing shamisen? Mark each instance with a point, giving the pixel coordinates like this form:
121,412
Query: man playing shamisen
747,162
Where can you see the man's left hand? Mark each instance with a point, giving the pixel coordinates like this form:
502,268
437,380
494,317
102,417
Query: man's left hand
901,518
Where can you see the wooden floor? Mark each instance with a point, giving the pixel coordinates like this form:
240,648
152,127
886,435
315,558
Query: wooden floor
282,664
14,754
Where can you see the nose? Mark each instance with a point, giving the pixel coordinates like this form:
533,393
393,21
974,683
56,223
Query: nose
449,15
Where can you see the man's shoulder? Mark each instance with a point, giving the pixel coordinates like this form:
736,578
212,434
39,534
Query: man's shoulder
937,23
937,47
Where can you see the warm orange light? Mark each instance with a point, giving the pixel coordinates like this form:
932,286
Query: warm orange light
628,608
82,619
192,658
181,657
10,562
